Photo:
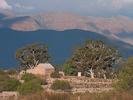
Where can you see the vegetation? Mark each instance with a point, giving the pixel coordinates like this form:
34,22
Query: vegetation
69,70
29,87
55,75
31,84
31,55
28,77
125,77
95,59
7,83
11,72
61,85
85,96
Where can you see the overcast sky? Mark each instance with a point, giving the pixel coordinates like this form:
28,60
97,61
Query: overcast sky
85,7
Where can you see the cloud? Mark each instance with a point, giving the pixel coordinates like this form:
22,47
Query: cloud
88,7
23,6
4,5
119,4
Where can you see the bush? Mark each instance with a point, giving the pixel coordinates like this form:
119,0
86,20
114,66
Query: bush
32,84
11,72
30,87
60,85
125,77
44,82
9,84
55,75
28,77
69,70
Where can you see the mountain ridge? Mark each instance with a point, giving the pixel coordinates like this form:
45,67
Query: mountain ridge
61,43
110,27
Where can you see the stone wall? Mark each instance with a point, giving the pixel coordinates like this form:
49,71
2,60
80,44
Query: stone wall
85,84
9,96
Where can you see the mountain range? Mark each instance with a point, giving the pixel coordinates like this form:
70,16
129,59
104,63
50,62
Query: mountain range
119,27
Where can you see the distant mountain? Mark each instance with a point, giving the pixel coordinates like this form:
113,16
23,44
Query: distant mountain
110,27
61,44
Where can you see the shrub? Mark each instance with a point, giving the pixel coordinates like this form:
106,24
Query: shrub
11,72
30,87
69,70
55,75
28,77
9,84
61,85
125,77
44,82
32,84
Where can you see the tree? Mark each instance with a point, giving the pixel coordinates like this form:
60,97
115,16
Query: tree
125,77
30,56
94,58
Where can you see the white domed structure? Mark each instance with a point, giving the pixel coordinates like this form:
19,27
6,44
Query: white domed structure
43,69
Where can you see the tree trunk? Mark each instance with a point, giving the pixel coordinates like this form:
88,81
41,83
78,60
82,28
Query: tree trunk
104,76
92,73
34,59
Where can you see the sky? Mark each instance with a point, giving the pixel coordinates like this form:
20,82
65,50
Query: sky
83,7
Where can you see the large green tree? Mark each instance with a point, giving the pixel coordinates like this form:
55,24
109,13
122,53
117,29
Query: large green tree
31,55
94,58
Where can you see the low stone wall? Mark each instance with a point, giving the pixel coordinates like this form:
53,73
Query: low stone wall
85,84
9,96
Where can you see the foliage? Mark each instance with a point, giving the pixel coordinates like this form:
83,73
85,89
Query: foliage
55,75
69,70
31,84
28,77
94,58
31,55
30,87
12,72
8,84
44,82
125,77
61,85
83,96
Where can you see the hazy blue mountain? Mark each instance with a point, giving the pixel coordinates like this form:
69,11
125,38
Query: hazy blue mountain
117,27
61,43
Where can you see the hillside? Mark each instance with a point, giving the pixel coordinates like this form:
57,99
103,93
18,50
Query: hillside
61,43
111,27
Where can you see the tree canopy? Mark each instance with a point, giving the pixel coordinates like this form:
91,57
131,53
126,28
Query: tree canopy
31,55
94,58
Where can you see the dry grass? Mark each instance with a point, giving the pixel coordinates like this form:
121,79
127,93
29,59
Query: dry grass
86,96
